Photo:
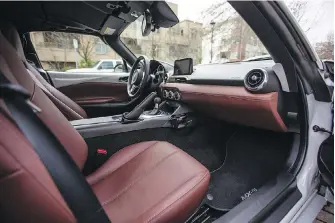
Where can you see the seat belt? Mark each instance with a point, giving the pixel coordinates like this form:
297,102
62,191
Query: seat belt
64,172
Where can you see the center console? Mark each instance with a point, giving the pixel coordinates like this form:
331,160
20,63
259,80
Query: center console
169,114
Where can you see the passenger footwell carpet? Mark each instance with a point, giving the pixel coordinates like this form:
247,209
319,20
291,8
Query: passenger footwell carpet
253,157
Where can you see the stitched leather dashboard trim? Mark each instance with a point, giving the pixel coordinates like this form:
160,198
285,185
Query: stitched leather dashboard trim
233,104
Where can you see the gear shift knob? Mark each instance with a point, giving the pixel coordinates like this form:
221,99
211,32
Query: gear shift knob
157,100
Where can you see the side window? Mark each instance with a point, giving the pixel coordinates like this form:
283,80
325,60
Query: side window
72,52
107,65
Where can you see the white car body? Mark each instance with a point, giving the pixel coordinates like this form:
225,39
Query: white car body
104,65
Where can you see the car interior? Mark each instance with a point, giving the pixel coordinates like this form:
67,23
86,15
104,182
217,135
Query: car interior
154,147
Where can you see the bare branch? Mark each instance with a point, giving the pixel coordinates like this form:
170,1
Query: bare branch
299,8
325,49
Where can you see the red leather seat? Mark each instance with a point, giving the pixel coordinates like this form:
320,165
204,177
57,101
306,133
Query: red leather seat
150,182
70,109
145,182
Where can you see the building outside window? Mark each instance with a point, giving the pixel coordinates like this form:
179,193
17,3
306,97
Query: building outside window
193,34
101,47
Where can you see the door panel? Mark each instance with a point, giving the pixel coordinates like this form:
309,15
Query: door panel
92,88
99,94
96,92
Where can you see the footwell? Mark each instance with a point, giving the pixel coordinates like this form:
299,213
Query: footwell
253,157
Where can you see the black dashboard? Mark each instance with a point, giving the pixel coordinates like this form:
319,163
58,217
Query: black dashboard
270,76
222,74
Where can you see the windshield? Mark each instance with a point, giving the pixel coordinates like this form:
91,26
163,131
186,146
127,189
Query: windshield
165,44
219,35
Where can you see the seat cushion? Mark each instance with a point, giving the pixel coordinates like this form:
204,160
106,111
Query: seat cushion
150,182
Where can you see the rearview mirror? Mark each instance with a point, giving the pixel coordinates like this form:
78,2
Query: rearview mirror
146,24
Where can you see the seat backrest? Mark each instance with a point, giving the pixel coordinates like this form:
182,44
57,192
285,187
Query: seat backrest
27,192
50,115
70,109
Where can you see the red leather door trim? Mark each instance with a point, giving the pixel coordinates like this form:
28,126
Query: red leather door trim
96,92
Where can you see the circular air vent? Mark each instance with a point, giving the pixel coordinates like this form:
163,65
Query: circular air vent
256,79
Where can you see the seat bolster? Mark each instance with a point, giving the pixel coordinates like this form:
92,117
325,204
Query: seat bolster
69,108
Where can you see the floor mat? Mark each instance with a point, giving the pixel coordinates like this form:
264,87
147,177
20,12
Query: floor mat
206,142
253,157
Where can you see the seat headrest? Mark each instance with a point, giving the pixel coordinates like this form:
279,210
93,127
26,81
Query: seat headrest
11,34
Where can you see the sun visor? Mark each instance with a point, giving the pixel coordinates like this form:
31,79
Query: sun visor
111,25
162,14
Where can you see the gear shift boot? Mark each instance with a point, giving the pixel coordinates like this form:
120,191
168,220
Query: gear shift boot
139,109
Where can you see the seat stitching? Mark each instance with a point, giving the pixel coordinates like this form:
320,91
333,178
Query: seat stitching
11,175
150,146
110,172
146,173
164,209
235,97
184,182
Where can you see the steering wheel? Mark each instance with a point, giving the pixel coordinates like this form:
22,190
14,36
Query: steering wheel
138,76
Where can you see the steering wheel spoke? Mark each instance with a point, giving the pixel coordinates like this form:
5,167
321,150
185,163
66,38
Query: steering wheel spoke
138,76
133,88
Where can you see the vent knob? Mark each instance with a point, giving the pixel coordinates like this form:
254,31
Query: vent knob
256,79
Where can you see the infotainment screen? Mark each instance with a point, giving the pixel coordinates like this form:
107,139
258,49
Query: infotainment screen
183,67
